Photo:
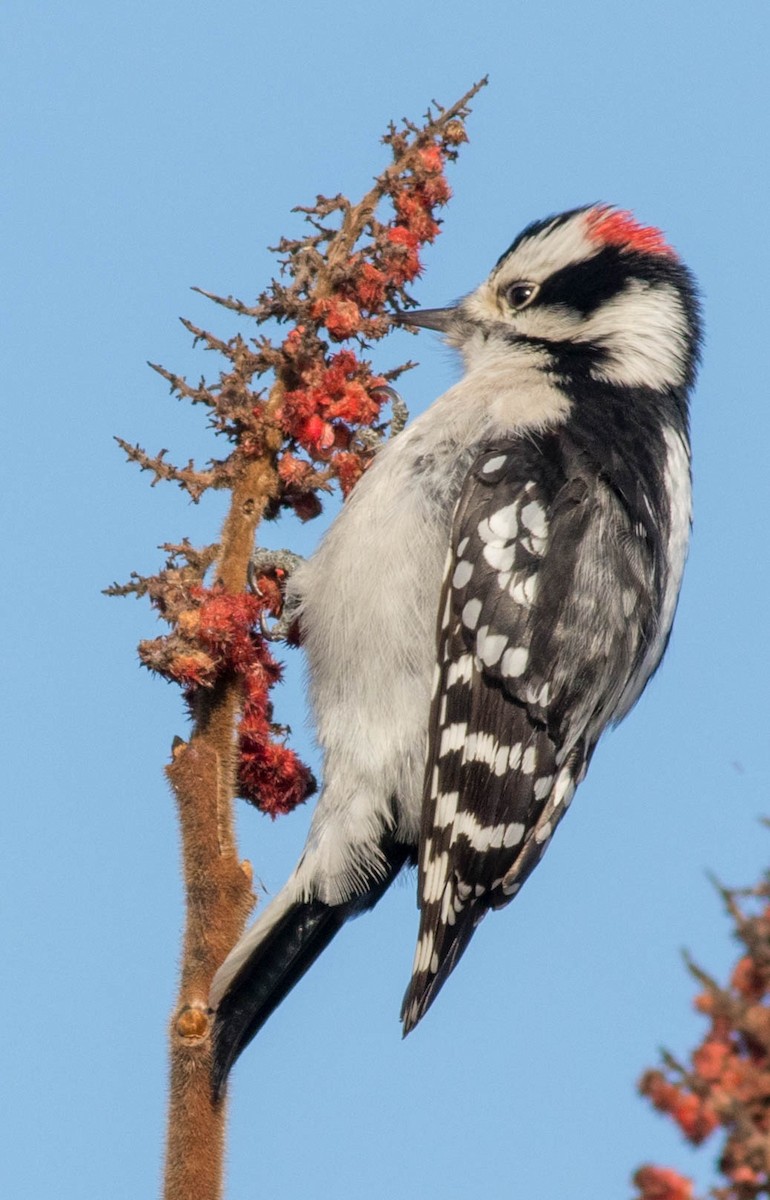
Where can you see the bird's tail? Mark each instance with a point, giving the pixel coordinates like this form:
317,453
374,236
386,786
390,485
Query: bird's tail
439,949
270,959
273,956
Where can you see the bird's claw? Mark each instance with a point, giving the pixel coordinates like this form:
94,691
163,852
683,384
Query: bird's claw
263,560
399,417
398,409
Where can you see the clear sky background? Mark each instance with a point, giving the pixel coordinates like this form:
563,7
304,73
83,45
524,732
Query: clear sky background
158,144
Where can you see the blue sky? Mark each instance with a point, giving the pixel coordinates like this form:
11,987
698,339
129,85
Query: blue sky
157,145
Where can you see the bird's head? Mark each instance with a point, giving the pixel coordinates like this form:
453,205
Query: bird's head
602,294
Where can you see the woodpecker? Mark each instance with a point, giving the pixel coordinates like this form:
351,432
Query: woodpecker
497,590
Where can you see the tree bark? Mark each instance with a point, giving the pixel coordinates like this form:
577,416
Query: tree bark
218,896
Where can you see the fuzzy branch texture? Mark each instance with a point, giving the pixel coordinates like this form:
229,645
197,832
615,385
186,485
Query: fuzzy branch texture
302,411
724,1089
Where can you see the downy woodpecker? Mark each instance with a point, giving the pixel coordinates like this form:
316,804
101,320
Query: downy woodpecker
497,590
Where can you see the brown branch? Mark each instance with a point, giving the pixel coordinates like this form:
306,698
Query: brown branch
218,898
197,395
217,886
358,216
194,482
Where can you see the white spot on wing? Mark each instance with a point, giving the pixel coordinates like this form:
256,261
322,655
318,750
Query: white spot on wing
533,516
462,574
534,545
513,834
543,833
542,787
423,953
435,877
564,789
480,747
452,738
490,646
446,809
514,661
447,907
505,521
487,535
500,557
461,670
471,614
481,837
523,589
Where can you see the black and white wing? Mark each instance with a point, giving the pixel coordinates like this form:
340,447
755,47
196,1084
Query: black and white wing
548,603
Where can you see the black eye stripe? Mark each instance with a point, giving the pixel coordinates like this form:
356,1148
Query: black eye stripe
586,285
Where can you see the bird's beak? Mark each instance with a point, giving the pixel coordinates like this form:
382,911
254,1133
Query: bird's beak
429,318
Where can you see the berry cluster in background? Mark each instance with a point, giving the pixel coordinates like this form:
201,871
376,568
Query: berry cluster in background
726,1085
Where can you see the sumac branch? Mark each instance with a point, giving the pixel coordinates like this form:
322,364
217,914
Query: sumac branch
301,412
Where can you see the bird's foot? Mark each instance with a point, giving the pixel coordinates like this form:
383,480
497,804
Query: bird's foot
262,561
373,439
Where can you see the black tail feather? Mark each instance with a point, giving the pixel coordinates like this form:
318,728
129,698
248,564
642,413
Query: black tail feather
425,985
267,977
279,962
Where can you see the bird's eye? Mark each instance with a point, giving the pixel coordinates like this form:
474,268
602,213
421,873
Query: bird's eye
519,295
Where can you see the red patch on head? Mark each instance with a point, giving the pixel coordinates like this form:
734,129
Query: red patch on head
613,227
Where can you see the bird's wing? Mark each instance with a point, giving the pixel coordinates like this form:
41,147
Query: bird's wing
542,622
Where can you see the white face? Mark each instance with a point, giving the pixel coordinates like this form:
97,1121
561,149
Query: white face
642,328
